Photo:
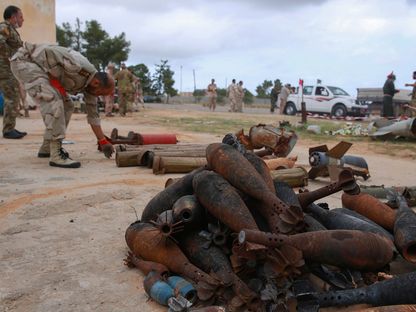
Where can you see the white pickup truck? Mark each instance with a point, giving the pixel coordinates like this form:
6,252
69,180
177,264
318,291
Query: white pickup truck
324,99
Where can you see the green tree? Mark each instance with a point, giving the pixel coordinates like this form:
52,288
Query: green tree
163,80
248,97
93,49
263,90
94,42
65,35
198,94
142,71
221,95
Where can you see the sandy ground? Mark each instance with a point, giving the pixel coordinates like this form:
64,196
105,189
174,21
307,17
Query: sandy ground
62,230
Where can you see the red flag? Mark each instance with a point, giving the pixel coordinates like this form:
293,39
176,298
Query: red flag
301,82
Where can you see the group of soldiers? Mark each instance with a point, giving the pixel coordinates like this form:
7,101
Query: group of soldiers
49,74
235,94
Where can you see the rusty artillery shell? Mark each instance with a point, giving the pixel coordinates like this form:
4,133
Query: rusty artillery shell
189,211
345,181
145,241
146,266
405,231
395,291
166,225
166,198
261,168
237,170
209,309
338,219
222,201
392,308
312,225
212,259
174,164
343,248
372,208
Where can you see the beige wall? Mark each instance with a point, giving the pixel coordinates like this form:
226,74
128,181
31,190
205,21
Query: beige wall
39,15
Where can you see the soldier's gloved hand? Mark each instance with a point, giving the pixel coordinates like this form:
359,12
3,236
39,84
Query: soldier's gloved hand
106,147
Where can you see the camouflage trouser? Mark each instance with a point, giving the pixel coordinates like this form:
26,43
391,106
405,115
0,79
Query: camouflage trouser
125,101
109,103
412,112
56,109
10,89
233,104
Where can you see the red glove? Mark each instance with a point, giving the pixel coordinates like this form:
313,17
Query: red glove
106,147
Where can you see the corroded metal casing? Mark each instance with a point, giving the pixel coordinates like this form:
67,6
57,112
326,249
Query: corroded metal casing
344,219
392,308
166,198
189,211
398,290
212,259
405,231
343,248
279,140
261,168
146,266
238,171
145,241
222,201
345,181
372,208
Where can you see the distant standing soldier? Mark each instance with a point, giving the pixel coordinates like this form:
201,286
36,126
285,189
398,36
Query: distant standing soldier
9,43
232,95
125,88
240,97
284,94
139,92
274,94
413,101
212,95
109,99
389,91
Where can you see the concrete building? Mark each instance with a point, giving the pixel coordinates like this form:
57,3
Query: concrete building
39,15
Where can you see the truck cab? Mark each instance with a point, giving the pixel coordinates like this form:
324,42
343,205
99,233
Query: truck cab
323,99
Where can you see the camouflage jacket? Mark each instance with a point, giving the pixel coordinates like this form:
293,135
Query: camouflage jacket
9,43
73,70
125,81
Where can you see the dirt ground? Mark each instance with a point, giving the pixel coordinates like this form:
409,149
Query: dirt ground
62,230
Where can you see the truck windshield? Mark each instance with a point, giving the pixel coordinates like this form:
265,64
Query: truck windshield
337,91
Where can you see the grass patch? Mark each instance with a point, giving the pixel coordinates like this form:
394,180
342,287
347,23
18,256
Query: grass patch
231,123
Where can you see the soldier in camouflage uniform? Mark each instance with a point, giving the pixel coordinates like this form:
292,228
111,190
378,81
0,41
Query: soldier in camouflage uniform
9,43
48,72
125,87
240,97
232,96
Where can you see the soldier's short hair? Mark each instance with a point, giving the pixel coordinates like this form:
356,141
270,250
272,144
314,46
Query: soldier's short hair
10,11
103,79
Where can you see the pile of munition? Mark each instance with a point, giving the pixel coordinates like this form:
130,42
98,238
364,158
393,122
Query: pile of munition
226,237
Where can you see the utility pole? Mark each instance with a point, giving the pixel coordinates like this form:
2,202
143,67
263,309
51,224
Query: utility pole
180,88
194,79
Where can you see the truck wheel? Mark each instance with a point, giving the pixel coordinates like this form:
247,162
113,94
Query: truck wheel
339,110
290,109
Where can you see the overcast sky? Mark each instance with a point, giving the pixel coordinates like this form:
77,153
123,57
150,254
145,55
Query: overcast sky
347,43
